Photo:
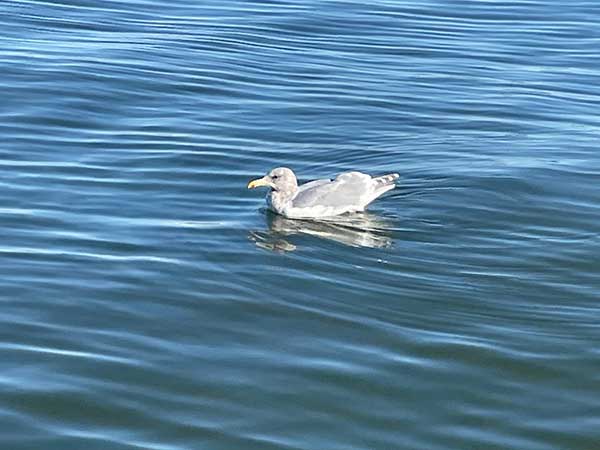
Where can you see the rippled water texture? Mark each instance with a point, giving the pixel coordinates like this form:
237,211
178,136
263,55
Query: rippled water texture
148,301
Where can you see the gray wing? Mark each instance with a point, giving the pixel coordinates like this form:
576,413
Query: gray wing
313,184
348,189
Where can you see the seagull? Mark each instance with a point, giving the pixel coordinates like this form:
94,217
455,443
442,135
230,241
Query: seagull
348,192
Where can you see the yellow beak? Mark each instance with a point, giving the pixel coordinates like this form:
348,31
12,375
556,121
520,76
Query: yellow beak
258,182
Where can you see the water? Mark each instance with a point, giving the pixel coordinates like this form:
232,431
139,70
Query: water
149,302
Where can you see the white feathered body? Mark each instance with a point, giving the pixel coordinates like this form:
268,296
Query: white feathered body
348,192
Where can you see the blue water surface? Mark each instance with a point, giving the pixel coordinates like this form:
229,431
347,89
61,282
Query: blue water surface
148,301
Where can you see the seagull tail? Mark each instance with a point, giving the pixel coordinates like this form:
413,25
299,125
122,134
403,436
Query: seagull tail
380,186
386,180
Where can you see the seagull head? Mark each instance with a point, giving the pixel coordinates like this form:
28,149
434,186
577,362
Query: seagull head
279,179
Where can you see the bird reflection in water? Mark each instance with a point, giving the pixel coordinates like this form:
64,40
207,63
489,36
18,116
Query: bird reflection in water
356,230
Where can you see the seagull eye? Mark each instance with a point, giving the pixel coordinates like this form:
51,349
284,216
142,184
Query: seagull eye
274,177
